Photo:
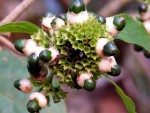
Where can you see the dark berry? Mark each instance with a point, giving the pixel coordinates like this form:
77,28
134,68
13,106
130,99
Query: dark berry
77,6
33,59
63,17
19,45
90,84
110,49
17,84
45,56
101,19
138,48
115,70
142,8
119,22
33,106
146,54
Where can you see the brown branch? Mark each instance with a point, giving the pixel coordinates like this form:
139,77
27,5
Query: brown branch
17,11
113,7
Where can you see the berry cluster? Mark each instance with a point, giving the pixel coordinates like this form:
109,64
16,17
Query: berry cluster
144,17
78,49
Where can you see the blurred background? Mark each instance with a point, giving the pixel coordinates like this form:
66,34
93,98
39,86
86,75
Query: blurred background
134,79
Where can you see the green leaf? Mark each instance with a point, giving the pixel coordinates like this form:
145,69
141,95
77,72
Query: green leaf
130,106
19,27
13,101
134,32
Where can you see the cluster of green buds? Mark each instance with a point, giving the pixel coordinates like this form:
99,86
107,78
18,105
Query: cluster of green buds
144,17
73,49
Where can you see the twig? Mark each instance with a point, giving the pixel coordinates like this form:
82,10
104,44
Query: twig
17,11
113,7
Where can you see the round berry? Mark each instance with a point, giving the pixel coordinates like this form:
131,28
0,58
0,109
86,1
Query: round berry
110,49
77,6
34,70
142,8
33,59
90,84
17,84
45,56
19,45
115,70
146,54
138,48
33,106
63,17
101,19
119,22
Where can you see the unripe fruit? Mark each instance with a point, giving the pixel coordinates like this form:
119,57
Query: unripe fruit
77,6
30,47
106,63
111,28
54,55
138,48
90,84
101,19
82,77
46,22
38,50
33,59
23,85
142,8
42,101
63,17
115,70
110,49
57,23
119,22
19,45
45,56
146,54
33,106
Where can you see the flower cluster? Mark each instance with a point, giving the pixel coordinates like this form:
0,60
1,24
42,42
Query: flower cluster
77,48
144,17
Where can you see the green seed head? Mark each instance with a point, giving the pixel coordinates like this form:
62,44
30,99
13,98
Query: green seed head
142,8
17,84
146,54
45,56
77,6
33,106
33,59
101,19
119,22
115,70
138,48
110,49
19,45
90,84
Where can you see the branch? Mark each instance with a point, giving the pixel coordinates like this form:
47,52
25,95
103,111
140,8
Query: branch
17,11
113,7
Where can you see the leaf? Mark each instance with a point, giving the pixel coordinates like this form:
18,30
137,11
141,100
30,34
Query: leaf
130,106
13,101
134,32
19,27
